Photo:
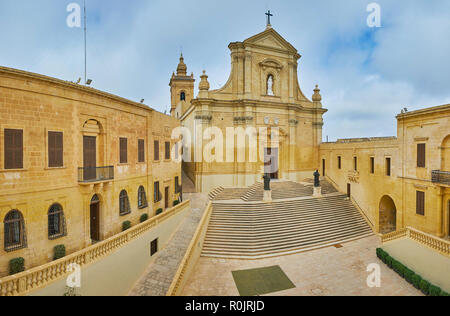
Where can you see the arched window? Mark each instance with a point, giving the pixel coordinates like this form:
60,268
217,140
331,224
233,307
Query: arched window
182,96
124,203
14,231
56,222
142,198
270,83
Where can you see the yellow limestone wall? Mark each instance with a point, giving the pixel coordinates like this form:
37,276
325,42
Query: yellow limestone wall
430,126
38,104
244,102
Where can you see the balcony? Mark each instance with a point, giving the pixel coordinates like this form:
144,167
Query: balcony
441,177
95,174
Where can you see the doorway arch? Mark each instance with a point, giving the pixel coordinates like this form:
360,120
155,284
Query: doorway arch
388,215
95,218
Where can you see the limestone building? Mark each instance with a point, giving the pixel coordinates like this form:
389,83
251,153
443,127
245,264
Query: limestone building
262,92
75,163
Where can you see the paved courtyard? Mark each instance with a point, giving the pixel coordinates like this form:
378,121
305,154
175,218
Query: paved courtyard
325,272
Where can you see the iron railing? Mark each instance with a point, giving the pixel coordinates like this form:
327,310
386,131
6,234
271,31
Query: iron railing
95,174
442,177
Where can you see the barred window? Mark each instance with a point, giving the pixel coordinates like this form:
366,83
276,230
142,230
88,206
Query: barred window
14,231
142,198
56,222
124,203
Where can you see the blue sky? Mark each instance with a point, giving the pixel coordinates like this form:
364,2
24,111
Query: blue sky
367,75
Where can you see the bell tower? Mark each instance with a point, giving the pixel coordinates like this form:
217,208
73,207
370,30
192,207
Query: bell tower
181,90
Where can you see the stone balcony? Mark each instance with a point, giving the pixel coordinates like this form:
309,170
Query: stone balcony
90,175
441,177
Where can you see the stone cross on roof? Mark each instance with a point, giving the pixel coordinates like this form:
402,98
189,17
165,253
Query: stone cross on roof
268,17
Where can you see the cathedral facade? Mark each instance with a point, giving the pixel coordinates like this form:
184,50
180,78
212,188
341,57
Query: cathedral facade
259,122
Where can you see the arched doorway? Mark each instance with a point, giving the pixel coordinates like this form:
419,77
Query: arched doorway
95,218
388,215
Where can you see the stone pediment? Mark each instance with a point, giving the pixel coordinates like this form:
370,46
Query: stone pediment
271,39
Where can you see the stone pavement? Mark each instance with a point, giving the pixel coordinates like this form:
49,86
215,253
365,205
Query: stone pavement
158,277
325,272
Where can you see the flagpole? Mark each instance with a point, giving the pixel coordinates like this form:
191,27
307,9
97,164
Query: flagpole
85,43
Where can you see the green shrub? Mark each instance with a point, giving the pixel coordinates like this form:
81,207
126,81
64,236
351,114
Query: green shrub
416,279
424,286
144,217
159,211
399,268
16,265
443,293
435,291
176,202
126,225
409,275
59,252
389,260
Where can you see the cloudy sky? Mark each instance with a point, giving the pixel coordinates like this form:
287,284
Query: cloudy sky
367,75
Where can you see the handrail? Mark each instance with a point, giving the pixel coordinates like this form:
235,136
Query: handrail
438,244
366,217
41,276
187,261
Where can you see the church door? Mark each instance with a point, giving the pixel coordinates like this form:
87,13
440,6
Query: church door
95,220
271,163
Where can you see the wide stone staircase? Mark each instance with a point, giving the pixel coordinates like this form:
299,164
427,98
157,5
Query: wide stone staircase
259,230
280,190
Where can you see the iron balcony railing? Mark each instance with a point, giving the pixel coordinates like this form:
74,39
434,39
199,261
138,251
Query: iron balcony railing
95,174
442,177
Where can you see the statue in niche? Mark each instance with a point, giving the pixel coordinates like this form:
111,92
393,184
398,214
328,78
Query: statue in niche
270,85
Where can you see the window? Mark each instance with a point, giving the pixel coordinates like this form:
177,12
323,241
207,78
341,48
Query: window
167,150
420,203
355,163
56,222
421,155
156,193
141,150
123,150
55,149
124,203
13,149
14,231
153,247
177,154
388,167
156,150
339,162
182,96
142,198
372,165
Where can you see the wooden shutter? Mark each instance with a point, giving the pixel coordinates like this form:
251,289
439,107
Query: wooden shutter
141,150
13,149
420,203
167,151
123,150
55,149
421,152
156,150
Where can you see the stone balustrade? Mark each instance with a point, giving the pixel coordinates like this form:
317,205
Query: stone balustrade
192,254
39,277
438,244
